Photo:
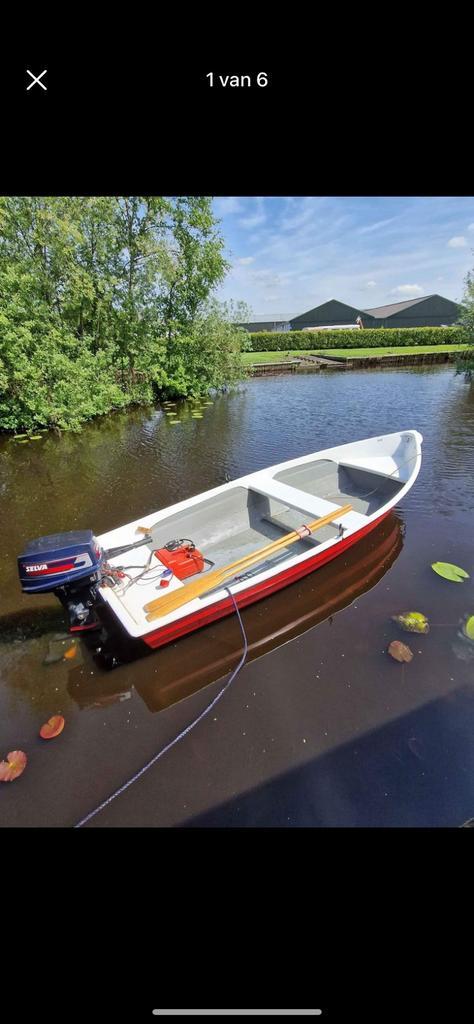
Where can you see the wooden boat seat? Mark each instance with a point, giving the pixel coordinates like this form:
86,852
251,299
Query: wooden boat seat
309,504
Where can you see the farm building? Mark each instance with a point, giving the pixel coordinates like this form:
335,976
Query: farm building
427,311
329,314
268,322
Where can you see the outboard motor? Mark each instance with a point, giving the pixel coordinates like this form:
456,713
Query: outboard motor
69,565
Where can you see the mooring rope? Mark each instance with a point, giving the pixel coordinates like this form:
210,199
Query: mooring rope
184,732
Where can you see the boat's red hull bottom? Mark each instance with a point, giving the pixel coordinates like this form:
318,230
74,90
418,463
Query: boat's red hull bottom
166,634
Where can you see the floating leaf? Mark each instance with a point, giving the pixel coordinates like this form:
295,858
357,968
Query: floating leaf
14,765
450,572
52,727
468,628
71,652
16,437
35,437
400,651
412,622
197,416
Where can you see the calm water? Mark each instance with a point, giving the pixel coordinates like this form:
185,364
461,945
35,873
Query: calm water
321,727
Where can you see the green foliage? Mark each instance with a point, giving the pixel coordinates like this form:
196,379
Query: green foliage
465,364
279,341
104,301
206,356
467,306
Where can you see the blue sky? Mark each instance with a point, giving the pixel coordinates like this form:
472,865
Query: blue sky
289,254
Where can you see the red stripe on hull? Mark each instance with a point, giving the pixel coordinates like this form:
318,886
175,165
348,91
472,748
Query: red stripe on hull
166,634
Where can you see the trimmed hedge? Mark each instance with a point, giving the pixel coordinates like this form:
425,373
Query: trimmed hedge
379,337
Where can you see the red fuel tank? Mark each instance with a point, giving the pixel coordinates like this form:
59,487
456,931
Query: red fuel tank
183,561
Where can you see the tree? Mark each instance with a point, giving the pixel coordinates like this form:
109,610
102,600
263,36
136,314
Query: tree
105,301
467,306
465,362
208,354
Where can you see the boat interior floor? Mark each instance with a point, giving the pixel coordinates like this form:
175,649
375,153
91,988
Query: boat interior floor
338,483
232,525
241,520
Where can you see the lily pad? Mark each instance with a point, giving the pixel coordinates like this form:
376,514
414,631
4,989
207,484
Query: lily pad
52,727
197,416
14,765
35,437
400,651
17,437
412,622
450,572
468,628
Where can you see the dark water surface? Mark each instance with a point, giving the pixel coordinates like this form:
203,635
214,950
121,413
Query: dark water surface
321,727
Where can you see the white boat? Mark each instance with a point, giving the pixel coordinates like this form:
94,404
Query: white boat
184,566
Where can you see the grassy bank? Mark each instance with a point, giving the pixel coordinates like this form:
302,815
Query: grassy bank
251,358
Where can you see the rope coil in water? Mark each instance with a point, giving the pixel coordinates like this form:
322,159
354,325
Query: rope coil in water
184,732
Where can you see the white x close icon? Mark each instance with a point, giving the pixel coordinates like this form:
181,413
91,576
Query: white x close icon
36,80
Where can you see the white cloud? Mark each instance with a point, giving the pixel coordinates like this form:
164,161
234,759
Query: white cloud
409,290
375,227
458,242
252,221
227,204
306,250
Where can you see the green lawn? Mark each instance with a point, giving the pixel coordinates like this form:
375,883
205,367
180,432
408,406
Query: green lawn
347,353
267,357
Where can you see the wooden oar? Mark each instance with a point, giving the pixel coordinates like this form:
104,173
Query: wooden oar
170,602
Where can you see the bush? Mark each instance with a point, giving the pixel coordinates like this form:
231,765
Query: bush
379,337
104,303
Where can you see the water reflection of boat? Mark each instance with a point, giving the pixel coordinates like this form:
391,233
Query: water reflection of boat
201,658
